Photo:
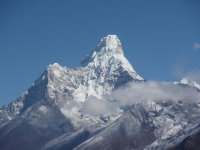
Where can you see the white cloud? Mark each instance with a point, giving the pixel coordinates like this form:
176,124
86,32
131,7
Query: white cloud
94,106
154,91
139,92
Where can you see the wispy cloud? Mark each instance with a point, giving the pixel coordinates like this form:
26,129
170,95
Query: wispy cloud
193,76
178,68
196,46
154,91
94,106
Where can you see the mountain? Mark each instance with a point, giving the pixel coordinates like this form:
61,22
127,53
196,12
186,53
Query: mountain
69,108
187,82
102,71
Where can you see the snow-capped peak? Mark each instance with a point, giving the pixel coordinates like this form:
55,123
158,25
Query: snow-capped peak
110,43
186,81
54,65
109,57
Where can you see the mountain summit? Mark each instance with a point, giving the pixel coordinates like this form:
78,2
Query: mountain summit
108,46
108,56
112,43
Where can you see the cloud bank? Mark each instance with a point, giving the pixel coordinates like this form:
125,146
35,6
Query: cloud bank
140,92
154,91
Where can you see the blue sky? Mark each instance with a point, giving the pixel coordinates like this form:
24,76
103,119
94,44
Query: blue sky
160,38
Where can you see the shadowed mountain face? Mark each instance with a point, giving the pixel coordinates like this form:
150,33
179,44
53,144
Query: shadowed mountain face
34,130
52,115
190,142
125,133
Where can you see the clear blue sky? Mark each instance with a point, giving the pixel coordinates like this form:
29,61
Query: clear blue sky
159,37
